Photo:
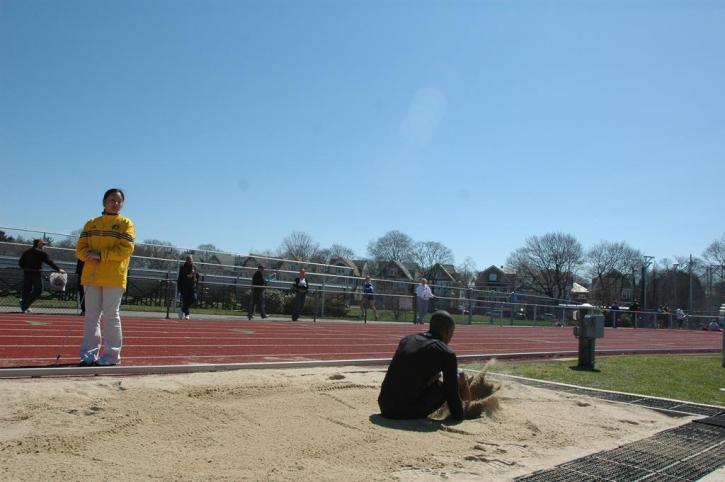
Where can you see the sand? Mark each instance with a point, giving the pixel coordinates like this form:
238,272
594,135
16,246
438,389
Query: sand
302,424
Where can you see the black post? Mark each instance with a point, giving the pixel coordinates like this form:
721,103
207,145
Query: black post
317,299
470,307
168,300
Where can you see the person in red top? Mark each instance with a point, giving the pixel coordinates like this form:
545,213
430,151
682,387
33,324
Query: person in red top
412,387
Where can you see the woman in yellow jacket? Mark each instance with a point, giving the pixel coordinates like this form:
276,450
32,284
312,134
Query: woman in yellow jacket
105,246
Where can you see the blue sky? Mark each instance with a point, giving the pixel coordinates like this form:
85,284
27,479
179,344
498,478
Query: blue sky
472,123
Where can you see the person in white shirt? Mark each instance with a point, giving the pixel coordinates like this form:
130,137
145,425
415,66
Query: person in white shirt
422,294
299,287
680,316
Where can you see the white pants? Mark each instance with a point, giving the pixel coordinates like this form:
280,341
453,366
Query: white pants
102,302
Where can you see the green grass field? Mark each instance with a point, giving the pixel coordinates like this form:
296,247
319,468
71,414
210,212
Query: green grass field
695,378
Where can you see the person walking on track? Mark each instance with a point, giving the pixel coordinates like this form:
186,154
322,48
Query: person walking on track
259,282
368,301
299,287
31,262
186,284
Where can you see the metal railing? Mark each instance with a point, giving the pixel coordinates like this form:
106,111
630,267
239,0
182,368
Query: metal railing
335,292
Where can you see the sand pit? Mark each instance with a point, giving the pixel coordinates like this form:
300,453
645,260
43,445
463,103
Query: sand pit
303,424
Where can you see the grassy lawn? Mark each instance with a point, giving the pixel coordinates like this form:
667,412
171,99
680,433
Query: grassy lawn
695,378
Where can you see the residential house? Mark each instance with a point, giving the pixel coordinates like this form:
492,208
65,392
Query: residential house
494,278
613,286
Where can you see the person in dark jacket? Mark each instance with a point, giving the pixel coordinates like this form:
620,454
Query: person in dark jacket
186,284
300,288
412,387
31,262
257,298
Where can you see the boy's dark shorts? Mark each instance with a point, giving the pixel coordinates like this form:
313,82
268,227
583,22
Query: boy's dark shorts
430,400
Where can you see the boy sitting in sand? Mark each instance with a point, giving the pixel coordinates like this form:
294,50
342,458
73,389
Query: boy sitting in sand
412,387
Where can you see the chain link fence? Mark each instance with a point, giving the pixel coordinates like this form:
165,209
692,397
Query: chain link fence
335,291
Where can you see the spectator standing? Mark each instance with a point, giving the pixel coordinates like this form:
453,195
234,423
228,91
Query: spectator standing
369,297
299,287
423,293
186,284
105,247
634,308
257,299
680,316
31,262
614,309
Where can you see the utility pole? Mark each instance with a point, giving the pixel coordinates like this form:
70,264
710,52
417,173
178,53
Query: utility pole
675,267
654,284
690,287
645,265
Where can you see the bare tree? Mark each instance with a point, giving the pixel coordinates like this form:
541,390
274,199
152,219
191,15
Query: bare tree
326,255
299,245
157,253
698,265
609,265
392,246
427,254
466,272
548,263
715,252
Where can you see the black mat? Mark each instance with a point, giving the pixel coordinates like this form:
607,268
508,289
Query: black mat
716,420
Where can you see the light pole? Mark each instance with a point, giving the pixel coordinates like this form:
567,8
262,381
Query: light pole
711,272
645,264
689,269
675,266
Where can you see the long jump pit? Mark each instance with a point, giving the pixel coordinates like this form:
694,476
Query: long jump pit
310,423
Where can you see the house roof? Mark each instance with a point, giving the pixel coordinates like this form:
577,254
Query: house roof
577,288
346,263
441,268
401,267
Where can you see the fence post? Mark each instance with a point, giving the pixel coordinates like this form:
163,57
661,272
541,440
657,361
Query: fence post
322,305
470,308
535,319
317,302
168,301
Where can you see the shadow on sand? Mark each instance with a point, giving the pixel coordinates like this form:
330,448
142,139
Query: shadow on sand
412,425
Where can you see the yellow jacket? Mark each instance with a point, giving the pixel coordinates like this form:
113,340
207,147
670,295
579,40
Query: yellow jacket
111,235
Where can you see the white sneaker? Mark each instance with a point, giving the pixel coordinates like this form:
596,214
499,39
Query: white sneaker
180,313
28,310
186,317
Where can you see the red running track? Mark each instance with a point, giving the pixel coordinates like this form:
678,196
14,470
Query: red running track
36,340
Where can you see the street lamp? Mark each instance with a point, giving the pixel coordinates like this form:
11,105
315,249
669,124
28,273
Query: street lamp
645,264
674,283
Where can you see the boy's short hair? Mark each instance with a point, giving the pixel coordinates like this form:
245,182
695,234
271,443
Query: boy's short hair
441,322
